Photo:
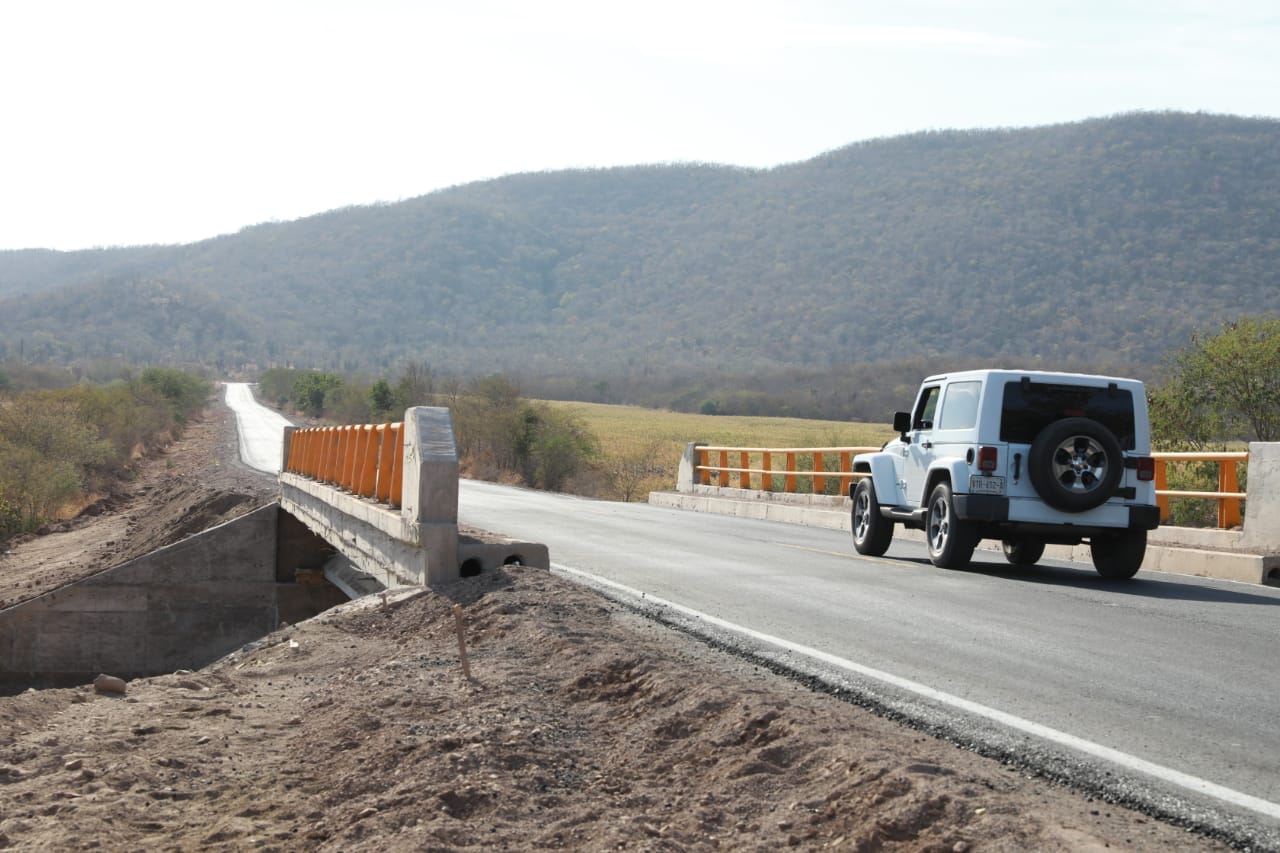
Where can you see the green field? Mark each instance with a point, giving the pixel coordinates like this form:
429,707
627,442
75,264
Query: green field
631,437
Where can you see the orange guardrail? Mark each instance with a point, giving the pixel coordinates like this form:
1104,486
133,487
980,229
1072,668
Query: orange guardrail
363,459
1228,495
757,468
759,465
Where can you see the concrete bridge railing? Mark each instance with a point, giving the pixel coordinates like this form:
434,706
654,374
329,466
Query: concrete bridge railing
386,497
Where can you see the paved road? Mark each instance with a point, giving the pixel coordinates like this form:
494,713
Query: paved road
261,429
1169,670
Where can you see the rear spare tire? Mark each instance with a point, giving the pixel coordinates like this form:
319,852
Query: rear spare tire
1075,464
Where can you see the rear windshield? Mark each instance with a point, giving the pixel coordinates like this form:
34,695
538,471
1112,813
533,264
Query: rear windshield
1031,406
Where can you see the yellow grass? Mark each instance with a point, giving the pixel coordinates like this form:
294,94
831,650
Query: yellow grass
631,426
625,432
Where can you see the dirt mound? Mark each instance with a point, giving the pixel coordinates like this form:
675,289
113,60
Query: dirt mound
178,509
583,727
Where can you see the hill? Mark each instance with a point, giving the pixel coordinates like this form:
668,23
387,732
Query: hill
1100,242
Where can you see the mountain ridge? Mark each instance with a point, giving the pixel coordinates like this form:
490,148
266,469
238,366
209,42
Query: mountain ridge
1104,240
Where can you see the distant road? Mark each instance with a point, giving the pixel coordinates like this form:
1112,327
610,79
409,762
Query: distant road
261,429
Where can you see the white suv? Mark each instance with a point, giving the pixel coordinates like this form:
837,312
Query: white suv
1027,457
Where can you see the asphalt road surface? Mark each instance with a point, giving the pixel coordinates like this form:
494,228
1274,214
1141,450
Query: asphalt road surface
1165,677
1167,683
261,429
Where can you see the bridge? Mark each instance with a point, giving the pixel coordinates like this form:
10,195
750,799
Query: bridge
327,539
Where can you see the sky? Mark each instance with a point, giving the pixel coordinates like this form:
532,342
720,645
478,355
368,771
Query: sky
134,123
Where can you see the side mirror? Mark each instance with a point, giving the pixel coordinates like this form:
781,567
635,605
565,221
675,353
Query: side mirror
902,423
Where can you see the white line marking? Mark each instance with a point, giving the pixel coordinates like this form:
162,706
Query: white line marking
1131,762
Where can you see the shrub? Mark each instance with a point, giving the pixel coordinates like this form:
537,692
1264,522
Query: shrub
55,444
10,519
185,393
276,384
311,390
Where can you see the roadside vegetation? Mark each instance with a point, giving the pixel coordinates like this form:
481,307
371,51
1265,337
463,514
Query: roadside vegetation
61,446
1222,391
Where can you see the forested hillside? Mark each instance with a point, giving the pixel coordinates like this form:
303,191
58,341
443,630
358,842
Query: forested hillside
1101,242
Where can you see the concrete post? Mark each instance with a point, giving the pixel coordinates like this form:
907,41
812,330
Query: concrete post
284,453
1262,509
689,476
429,497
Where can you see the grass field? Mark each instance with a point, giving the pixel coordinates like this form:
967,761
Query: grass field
645,445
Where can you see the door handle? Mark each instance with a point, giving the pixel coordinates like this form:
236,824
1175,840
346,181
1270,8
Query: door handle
926,444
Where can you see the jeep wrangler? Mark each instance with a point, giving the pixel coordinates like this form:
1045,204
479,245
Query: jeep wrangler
1027,457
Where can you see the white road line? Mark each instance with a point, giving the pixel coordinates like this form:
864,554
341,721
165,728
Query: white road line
1122,759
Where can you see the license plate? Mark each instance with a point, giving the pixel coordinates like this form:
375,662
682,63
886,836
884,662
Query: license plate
986,485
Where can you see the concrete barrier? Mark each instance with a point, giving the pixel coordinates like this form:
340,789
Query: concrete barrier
418,543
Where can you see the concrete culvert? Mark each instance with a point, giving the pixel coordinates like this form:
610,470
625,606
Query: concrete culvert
513,560
470,568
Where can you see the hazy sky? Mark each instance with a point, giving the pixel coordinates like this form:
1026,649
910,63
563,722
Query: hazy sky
125,122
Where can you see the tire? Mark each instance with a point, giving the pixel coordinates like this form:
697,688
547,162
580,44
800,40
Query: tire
951,541
1075,464
872,532
1118,557
1022,552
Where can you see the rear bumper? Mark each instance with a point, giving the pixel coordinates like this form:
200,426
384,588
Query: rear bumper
995,510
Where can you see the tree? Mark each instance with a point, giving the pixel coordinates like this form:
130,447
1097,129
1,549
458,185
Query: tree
381,399
1223,386
415,387
635,472
309,391
277,384
349,403
550,446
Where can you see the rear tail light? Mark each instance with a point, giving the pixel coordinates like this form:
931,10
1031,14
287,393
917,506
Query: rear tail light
987,458
1146,469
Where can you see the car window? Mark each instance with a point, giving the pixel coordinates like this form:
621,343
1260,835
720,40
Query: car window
924,411
1031,406
960,406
